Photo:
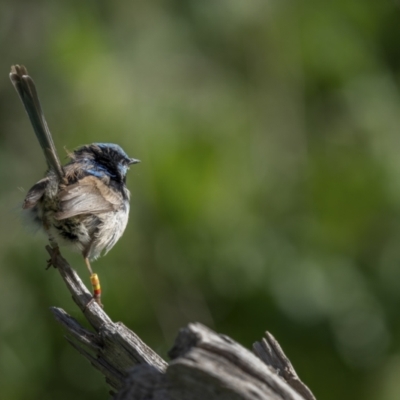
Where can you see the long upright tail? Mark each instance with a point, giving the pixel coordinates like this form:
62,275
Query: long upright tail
26,90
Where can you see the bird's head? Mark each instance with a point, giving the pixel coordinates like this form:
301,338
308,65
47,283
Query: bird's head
108,158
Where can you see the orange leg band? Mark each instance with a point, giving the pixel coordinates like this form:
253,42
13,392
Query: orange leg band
94,279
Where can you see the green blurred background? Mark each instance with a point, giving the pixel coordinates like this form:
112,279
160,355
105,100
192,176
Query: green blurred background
268,196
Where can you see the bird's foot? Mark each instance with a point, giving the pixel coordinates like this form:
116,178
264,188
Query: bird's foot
94,279
94,299
55,252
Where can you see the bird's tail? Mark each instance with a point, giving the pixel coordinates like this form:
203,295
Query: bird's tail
26,90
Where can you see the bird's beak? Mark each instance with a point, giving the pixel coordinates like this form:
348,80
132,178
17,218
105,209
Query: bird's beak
133,161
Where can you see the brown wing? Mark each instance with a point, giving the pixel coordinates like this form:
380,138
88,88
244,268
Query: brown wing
88,196
35,193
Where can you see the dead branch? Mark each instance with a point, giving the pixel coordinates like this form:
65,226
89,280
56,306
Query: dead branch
204,365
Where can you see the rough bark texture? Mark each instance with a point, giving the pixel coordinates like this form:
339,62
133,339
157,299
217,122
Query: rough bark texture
204,365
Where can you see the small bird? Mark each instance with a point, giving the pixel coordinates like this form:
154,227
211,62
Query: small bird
83,204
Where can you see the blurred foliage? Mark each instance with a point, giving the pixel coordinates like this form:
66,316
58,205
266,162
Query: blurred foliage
268,196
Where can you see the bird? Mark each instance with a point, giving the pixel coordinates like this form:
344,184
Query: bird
83,204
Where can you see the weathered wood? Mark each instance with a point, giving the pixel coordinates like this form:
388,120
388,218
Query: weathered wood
204,365
272,354
112,348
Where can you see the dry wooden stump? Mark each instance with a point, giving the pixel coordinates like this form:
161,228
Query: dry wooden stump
204,364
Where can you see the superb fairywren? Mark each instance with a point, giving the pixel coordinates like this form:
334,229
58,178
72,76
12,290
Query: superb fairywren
85,203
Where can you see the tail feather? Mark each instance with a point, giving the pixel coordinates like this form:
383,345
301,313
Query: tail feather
26,90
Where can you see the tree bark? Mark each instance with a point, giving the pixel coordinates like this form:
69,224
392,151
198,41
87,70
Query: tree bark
204,364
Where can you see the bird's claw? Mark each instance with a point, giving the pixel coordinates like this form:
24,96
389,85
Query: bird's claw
93,300
51,262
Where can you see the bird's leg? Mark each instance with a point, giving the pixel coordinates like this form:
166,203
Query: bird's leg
51,262
94,279
54,247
